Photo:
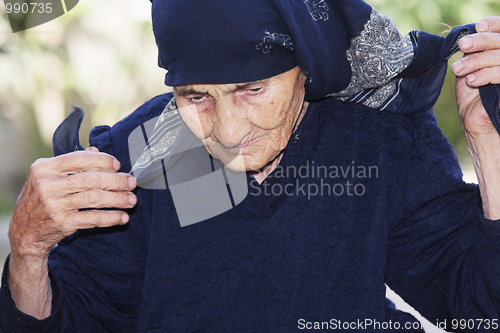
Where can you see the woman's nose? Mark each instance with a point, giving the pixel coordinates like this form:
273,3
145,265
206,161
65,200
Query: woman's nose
231,124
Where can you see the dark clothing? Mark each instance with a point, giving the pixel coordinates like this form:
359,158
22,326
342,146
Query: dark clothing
403,217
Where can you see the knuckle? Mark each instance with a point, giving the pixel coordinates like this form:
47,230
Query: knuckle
110,182
119,200
479,61
492,74
74,158
78,160
44,186
491,39
494,21
93,218
118,182
94,159
51,206
99,218
497,38
36,169
93,198
472,60
92,180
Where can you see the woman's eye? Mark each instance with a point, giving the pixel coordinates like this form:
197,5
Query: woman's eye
197,98
255,91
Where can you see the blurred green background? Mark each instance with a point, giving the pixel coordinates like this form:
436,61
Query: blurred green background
102,56
438,17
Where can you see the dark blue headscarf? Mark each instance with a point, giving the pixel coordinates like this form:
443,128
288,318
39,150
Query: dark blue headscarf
347,49
222,41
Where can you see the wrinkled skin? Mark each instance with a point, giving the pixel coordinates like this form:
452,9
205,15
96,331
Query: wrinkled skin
256,119
481,66
55,191
48,210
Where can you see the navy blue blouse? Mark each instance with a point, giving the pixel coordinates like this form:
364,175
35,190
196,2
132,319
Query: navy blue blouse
390,208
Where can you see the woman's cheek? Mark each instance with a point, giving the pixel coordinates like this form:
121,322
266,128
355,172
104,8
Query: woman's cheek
198,122
269,116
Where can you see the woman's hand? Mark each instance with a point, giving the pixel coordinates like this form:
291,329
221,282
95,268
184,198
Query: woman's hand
481,66
49,209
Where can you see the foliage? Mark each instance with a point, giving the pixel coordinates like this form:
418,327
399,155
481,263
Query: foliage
100,56
438,17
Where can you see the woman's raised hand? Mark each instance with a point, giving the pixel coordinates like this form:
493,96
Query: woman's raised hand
50,208
481,66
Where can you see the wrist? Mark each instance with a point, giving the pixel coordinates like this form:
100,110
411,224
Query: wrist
29,285
485,153
22,247
31,264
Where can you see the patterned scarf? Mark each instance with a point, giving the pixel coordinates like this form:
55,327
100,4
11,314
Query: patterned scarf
348,50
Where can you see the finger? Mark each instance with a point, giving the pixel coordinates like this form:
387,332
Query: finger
483,77
489,24
480,42
98,199
91,180
98,218
476,61
77,162
92,149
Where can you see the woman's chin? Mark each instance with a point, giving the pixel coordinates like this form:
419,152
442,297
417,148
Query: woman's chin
241,163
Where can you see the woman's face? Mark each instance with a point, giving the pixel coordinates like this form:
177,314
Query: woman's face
251,120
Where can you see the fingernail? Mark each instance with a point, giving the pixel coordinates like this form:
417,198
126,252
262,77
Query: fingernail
467,43
483,26
132,199
131,182
116,165
471,78
125,218
457,66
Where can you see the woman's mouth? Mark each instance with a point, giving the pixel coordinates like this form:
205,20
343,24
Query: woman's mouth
246,144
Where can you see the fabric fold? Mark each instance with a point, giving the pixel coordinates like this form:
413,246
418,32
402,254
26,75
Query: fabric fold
66,137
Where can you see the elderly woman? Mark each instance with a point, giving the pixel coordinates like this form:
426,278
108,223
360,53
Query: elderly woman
306,97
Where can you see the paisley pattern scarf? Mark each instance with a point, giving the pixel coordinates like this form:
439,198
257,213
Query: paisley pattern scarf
347,49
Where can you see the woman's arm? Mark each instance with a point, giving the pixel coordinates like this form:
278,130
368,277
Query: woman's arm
479,67
94,276
443,255
48,210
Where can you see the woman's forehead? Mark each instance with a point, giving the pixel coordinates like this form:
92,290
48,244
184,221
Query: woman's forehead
222,41
188,89
237,85
287,77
